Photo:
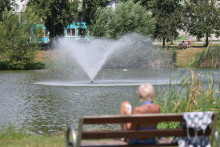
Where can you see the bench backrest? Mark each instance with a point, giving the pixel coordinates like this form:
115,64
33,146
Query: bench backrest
139,119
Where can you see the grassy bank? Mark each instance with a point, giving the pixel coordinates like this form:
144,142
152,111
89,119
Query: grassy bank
33,141
10,138
208,58
185,57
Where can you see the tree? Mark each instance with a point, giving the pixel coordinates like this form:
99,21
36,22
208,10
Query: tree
202,18
168,17
144,3
57,14
5,4
90,7
127,17
19,37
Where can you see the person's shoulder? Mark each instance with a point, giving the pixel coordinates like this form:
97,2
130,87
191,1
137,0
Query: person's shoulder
137,110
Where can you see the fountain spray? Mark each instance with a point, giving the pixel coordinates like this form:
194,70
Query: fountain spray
130,51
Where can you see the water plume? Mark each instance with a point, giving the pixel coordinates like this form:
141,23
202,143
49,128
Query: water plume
130,51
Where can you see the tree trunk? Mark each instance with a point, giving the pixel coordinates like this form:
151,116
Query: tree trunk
207,40
52,36
164,41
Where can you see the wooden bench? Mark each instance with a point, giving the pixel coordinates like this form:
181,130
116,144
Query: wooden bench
138,134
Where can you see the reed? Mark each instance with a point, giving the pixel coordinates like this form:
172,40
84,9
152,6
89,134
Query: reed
188,96
208,58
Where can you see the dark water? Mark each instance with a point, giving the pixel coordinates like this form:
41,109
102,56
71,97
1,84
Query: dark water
46,109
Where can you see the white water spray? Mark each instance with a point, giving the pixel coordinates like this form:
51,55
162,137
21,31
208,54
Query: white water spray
91,55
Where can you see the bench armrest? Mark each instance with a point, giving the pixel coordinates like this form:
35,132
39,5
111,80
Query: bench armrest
71,134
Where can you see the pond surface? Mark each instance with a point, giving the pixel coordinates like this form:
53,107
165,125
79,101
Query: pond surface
44,101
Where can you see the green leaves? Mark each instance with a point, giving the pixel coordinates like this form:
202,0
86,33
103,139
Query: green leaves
203,18
19,37
125,18
168,15
5,4
57,14
90,7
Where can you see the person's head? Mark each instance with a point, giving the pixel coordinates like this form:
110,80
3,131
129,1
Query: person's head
183,41
146,92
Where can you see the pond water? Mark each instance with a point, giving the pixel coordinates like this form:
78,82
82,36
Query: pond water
45,101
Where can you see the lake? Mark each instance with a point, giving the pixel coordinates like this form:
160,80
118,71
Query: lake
46,101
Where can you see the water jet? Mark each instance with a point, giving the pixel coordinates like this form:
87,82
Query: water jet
130,51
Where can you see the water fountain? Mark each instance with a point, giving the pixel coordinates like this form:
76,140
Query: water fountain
131,51
90,55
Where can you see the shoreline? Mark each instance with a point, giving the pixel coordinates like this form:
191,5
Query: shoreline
46,59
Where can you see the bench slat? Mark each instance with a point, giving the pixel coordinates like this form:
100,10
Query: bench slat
146,145
117,143
133,118
139,134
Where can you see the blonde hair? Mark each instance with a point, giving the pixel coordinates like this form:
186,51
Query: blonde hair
146,92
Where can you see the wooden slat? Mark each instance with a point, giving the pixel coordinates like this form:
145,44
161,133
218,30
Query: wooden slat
132,118
114,143
111,119
139,134
145,145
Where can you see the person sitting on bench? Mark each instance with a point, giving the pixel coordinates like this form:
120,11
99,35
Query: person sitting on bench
182,45
146,94
188,44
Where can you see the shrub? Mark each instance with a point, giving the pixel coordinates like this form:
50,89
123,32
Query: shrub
19,37
127,17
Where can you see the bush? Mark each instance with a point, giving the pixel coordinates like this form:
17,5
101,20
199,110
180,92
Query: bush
19,38
128,17
3,64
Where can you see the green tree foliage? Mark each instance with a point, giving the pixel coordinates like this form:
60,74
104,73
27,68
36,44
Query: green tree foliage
90,7
144,3
57,14
202,18
168,14
125,18
19,37
5,4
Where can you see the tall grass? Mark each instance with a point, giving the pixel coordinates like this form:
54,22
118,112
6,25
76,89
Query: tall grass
209,58
189,96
